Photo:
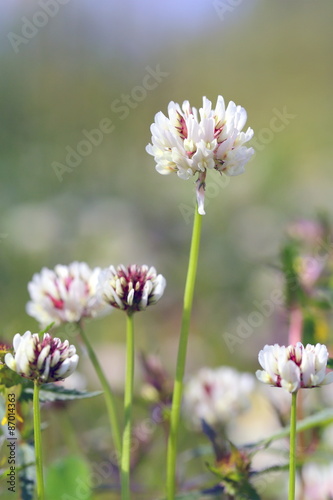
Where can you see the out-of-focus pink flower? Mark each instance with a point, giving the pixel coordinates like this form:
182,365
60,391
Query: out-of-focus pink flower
65,294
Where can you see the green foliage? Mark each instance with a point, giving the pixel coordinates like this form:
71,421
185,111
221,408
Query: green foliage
293,290
52,392
233,471
320,419
68,479
309,329
8,378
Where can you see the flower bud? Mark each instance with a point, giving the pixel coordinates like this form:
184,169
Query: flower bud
133,288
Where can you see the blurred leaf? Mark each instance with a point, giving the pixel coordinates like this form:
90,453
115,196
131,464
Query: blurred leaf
8,377
320,419
236,483
293,291
309,329
27,475
53,392
68,479
273,468
323,303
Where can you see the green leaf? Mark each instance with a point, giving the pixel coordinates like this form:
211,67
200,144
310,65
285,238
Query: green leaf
68,479
53,392
268,470
323,303
293,291
247,491
308,329
330,363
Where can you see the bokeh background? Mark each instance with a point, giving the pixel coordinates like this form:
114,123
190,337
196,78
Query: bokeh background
74,68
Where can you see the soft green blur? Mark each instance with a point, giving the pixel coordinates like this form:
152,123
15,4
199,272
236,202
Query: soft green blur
270,57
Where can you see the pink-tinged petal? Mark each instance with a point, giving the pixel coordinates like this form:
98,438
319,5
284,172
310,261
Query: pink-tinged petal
294,367
65,294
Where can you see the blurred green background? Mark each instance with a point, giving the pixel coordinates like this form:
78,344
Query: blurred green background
72,70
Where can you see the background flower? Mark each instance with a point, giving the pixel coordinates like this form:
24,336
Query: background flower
65,294
217,395
189,142
46,360
318,481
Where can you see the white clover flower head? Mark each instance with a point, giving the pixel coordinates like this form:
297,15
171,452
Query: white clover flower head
294,367
190,142
217,395
46,360
131,288
65,294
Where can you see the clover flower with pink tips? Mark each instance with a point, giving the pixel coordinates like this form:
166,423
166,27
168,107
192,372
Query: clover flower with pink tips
45,360
190,142
294,367
65,294
131,288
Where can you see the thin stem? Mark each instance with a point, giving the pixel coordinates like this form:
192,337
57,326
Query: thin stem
108,394
181,359
38,443
128,397
292,453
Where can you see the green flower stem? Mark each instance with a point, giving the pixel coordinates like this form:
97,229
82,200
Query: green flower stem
181,359
38,443
108,394
126,448
292,453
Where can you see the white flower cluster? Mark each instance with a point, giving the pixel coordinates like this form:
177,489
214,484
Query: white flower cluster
294,367
189,142
65,294
46,360
132,288
217,395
